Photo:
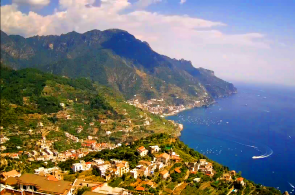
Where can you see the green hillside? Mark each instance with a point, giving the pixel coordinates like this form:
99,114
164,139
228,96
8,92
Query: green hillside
29,96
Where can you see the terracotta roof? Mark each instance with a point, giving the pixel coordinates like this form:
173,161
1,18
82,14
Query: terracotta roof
145,162
51,178
88,162
90,141
149,182
163,172
139,188
175,157
240,179
120,165
164,155
44,185
12,173
11,181
141,148
177,170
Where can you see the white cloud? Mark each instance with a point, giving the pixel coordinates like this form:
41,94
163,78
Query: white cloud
179,36
182,1
33,3
140,4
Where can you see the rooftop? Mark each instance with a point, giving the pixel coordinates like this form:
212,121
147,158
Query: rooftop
45,185
12,173
177,170
164,155
141,148
163,172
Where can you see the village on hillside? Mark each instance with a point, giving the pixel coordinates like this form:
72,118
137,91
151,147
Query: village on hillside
167,168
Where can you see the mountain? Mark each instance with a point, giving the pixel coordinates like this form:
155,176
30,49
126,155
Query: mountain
115,58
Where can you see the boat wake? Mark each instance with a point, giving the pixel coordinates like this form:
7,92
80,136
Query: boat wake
267,154
291,185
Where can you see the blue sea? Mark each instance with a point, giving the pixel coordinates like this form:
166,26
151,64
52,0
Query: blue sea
258,121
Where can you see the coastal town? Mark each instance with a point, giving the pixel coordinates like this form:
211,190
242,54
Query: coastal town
147,176
159,107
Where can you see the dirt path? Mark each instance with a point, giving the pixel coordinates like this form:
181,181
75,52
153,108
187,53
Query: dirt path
205,185
179,188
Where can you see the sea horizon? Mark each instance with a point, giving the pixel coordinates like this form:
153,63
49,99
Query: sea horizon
252,131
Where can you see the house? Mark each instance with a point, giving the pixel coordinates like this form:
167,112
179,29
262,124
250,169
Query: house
79,129
54,171
164,174
193,166
142,151
159,165
134,173
82,166
13,173
233,173
149,183
226,177
31,183
89,143
121,167
164,158
197,180
203,162
240,180
154,149
14,155
103,170
175,157
3,139
98,161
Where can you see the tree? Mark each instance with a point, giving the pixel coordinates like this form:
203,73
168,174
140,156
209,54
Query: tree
82,190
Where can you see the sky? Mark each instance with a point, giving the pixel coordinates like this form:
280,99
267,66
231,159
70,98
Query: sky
240,40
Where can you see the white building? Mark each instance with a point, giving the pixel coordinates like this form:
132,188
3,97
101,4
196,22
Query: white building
82,166
142,151
155,149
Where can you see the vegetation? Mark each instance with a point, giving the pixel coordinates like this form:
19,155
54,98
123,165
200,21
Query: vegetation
118,60
43,97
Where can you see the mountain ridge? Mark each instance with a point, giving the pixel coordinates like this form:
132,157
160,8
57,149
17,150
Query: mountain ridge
115,58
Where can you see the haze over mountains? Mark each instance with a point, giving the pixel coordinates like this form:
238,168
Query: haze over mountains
114,58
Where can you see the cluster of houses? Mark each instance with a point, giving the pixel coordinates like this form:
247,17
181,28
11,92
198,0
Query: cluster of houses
202,166
156,106
50,180
56,156
72,137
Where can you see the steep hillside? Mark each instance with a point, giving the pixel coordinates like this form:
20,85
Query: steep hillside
117,59
33,102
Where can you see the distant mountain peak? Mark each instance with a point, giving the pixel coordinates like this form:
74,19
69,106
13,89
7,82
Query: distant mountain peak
115,58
